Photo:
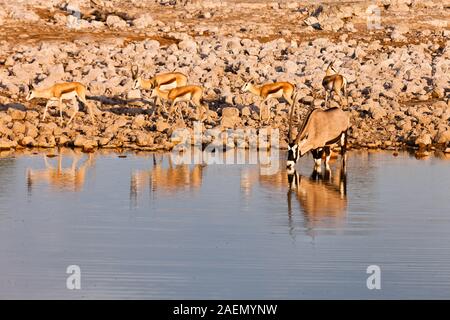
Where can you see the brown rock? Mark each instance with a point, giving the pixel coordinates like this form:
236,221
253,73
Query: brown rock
162,126
31,130
230,117
443,137
6,144
423,140
63,140
27,142
16,114
139,121
144,139
18,128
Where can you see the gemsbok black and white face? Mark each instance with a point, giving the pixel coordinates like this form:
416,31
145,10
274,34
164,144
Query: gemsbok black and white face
296,151
292,158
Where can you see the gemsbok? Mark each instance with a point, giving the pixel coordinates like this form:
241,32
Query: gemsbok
270,90
61,91
191,94
320,129
333,82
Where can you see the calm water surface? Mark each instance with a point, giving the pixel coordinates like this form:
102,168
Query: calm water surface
141,227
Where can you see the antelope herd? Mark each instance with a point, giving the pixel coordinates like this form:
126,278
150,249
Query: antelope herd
319,130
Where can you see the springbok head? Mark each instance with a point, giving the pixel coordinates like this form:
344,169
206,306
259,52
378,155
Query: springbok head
31,93
331,69
247,85
136,77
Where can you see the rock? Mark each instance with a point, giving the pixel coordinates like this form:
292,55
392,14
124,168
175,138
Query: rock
18,128
162,126
188,45
423,140
143,21
246,112
134,94
290,67
27,141
443,137
230,117
230,112
86,144
115,22
139,121
19,13
31,130
377,112
313,22
144,139
5,118
63,140
6,144
16,114
397,35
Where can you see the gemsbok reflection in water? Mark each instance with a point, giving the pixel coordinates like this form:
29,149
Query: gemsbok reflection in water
322,198
166,180
59,177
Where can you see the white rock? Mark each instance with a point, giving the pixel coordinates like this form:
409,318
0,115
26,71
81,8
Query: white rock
115,22
143,21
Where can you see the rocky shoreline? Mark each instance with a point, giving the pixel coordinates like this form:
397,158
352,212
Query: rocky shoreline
398,88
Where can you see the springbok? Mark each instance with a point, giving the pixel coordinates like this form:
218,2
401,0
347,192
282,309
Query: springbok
333,82
270,90
166,180
191,94
319,130
61,178
59,92
165,81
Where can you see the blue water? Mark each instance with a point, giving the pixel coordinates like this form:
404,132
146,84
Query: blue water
140,227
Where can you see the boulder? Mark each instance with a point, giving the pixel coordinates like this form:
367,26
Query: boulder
115,22
28,141
230,117
16,114
6,144
143,21
423,140
162,126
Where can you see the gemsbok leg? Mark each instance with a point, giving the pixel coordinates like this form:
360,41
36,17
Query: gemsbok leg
343,144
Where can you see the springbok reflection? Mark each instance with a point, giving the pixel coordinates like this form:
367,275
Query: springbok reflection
60,178
167,180
322,198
